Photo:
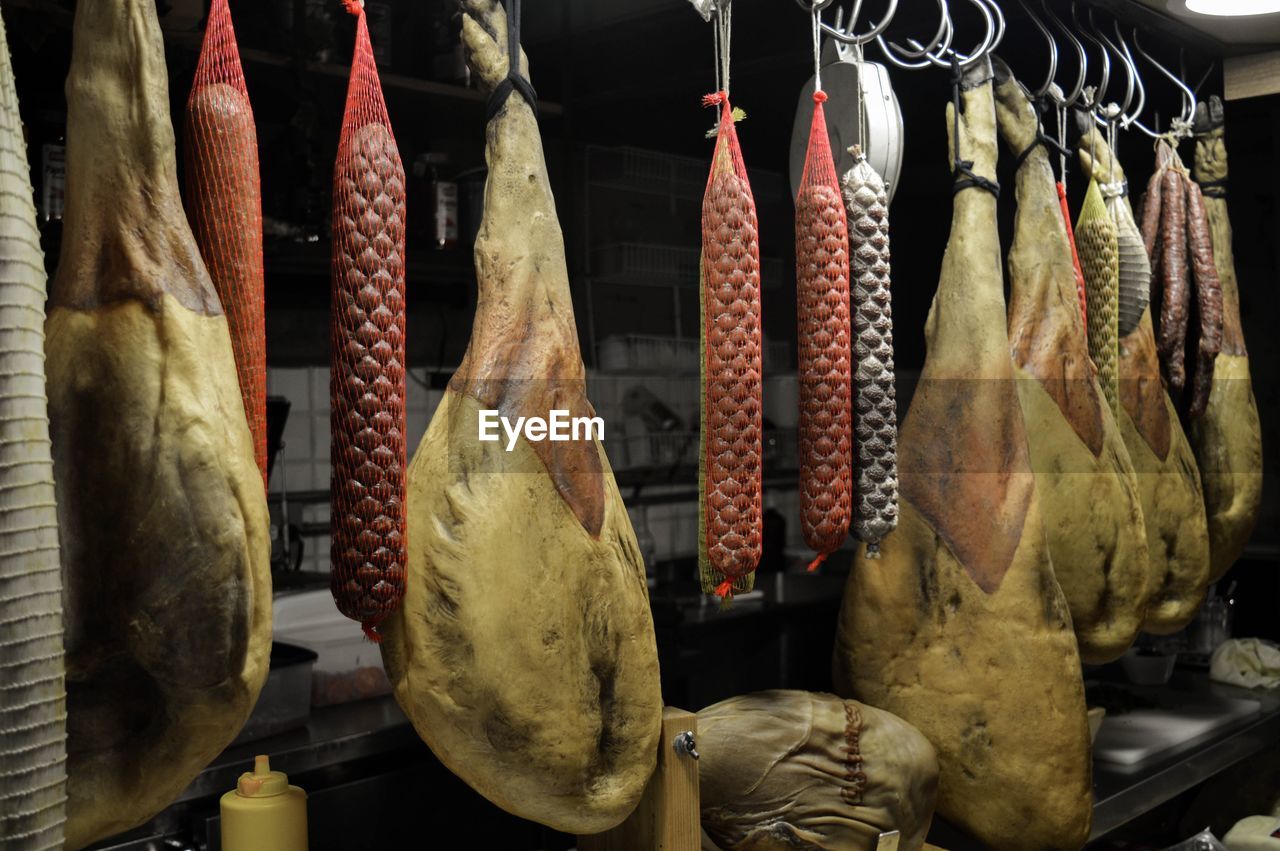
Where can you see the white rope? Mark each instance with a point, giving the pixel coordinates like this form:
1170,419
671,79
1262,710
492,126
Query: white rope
38,681
34,660
57,843
31,617
56,740
57,781
722,33
31,639
27,728
817,49
33,769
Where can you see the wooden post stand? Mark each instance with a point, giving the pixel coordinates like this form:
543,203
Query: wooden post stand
668,816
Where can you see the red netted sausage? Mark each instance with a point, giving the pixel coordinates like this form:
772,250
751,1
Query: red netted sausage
367,379
825,353
732,434
224,206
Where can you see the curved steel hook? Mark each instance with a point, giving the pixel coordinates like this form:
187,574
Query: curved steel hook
844,34
1053,49
941,41
1099,94
1130,118
816,5
1113,111
1188,96
1204,77
1082,56
995,32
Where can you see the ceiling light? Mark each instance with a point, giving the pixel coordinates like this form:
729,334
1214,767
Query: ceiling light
1233,8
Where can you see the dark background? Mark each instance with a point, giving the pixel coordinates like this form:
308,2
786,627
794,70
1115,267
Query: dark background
637,81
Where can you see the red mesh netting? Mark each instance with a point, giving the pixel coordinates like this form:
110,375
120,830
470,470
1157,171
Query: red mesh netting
1075,256
367,378
730,498
224,205
825,353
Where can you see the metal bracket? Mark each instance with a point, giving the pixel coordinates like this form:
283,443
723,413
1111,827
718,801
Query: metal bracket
704,8
685,745
888,841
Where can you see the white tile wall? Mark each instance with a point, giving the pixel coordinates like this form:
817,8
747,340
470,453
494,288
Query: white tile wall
307,440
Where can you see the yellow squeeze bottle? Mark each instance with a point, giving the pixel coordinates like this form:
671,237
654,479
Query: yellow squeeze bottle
263,812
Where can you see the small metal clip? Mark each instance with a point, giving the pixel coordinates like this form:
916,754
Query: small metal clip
685,745
888,841
704,8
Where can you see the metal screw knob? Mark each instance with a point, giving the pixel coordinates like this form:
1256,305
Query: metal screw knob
685,745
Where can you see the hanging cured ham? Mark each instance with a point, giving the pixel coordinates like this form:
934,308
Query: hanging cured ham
161,510
523,650
33,707
1168,479
1227,438
961,617
1087,486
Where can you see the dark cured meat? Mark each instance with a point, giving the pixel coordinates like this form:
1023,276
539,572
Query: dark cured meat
1208,298
1150,224
1177,291
367,339
875,406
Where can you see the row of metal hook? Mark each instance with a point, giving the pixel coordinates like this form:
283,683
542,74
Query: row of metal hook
940,51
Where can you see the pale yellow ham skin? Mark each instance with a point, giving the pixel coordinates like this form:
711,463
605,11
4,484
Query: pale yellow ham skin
1228,438
161,510
165,554
523,650
1092,505
950,646
1173,506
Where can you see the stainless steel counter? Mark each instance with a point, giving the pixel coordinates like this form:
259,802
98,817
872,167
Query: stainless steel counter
341,735
346,733
1122,795
334,735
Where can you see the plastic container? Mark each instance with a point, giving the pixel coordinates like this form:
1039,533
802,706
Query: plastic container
1148,670
285,701
348,666
263,812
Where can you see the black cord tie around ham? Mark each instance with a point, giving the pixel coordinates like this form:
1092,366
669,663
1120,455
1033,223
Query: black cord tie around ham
514,81
1213,188
1041,139
968,178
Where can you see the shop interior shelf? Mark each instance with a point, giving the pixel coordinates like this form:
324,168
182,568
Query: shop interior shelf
391,81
